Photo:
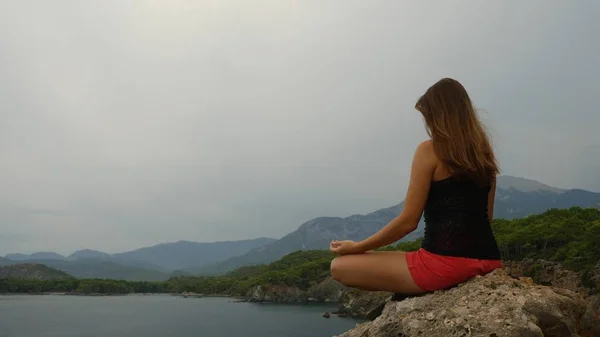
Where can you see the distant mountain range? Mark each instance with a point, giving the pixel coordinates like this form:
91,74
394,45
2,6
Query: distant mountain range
515,197
91,268
314,234
518,197
88,254
153,263
35,256
186,254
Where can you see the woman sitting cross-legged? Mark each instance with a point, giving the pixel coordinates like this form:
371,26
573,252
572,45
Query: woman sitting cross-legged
452,184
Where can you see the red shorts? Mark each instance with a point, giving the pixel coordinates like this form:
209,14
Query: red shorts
433,272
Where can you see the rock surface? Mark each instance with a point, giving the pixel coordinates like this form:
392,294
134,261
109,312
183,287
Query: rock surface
276,294
327,291
363,304
494,305
591,318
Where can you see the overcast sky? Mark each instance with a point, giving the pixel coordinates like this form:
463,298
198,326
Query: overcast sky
129,123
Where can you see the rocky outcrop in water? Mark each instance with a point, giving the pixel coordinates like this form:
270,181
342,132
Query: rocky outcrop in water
276,294
495,305
327,291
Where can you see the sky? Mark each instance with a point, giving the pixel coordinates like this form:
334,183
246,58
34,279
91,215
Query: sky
129,123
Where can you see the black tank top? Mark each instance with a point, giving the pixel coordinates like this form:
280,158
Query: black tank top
457,222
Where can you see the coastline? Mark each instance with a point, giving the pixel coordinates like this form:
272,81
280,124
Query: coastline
116,294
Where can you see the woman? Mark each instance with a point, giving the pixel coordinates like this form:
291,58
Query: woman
452,183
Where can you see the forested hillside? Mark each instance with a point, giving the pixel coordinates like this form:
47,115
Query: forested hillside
569,236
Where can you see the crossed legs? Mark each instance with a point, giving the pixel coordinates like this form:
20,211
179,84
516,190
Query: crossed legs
375,271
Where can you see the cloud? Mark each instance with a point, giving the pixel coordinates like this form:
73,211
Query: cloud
144,122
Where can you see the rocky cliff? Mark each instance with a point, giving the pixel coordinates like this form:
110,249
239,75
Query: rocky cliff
363,304
326,291
495,305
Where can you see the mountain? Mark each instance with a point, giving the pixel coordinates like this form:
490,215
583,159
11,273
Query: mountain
185,254
153,263
162,258
35,256
524,185
88,254
518,197
32,271
96,269
515,197
104,270
313,234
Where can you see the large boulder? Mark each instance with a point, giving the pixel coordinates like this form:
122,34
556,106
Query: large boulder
495,305
362,304
326,291
591,318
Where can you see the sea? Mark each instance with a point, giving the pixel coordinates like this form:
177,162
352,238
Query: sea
162,316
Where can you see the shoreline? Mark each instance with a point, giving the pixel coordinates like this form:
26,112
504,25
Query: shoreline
234,299
117,294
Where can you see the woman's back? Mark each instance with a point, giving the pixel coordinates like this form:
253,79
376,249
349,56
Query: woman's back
457,220
452,185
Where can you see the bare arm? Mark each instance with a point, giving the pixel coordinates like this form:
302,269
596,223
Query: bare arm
423,165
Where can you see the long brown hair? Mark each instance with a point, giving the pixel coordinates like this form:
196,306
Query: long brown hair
459,138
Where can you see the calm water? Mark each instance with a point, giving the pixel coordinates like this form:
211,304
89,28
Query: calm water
160,316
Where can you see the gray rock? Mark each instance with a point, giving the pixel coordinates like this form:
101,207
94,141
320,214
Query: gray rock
326,291
492,305
591,317
364,304
276,294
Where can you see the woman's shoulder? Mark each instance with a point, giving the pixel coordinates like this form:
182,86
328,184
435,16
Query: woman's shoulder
425,157
425,146
426,149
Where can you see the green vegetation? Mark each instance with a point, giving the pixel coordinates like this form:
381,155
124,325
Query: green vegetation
77,286
36,286
568,236
301,269
34,271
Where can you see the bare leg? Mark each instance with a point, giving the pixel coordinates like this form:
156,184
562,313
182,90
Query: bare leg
376,271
